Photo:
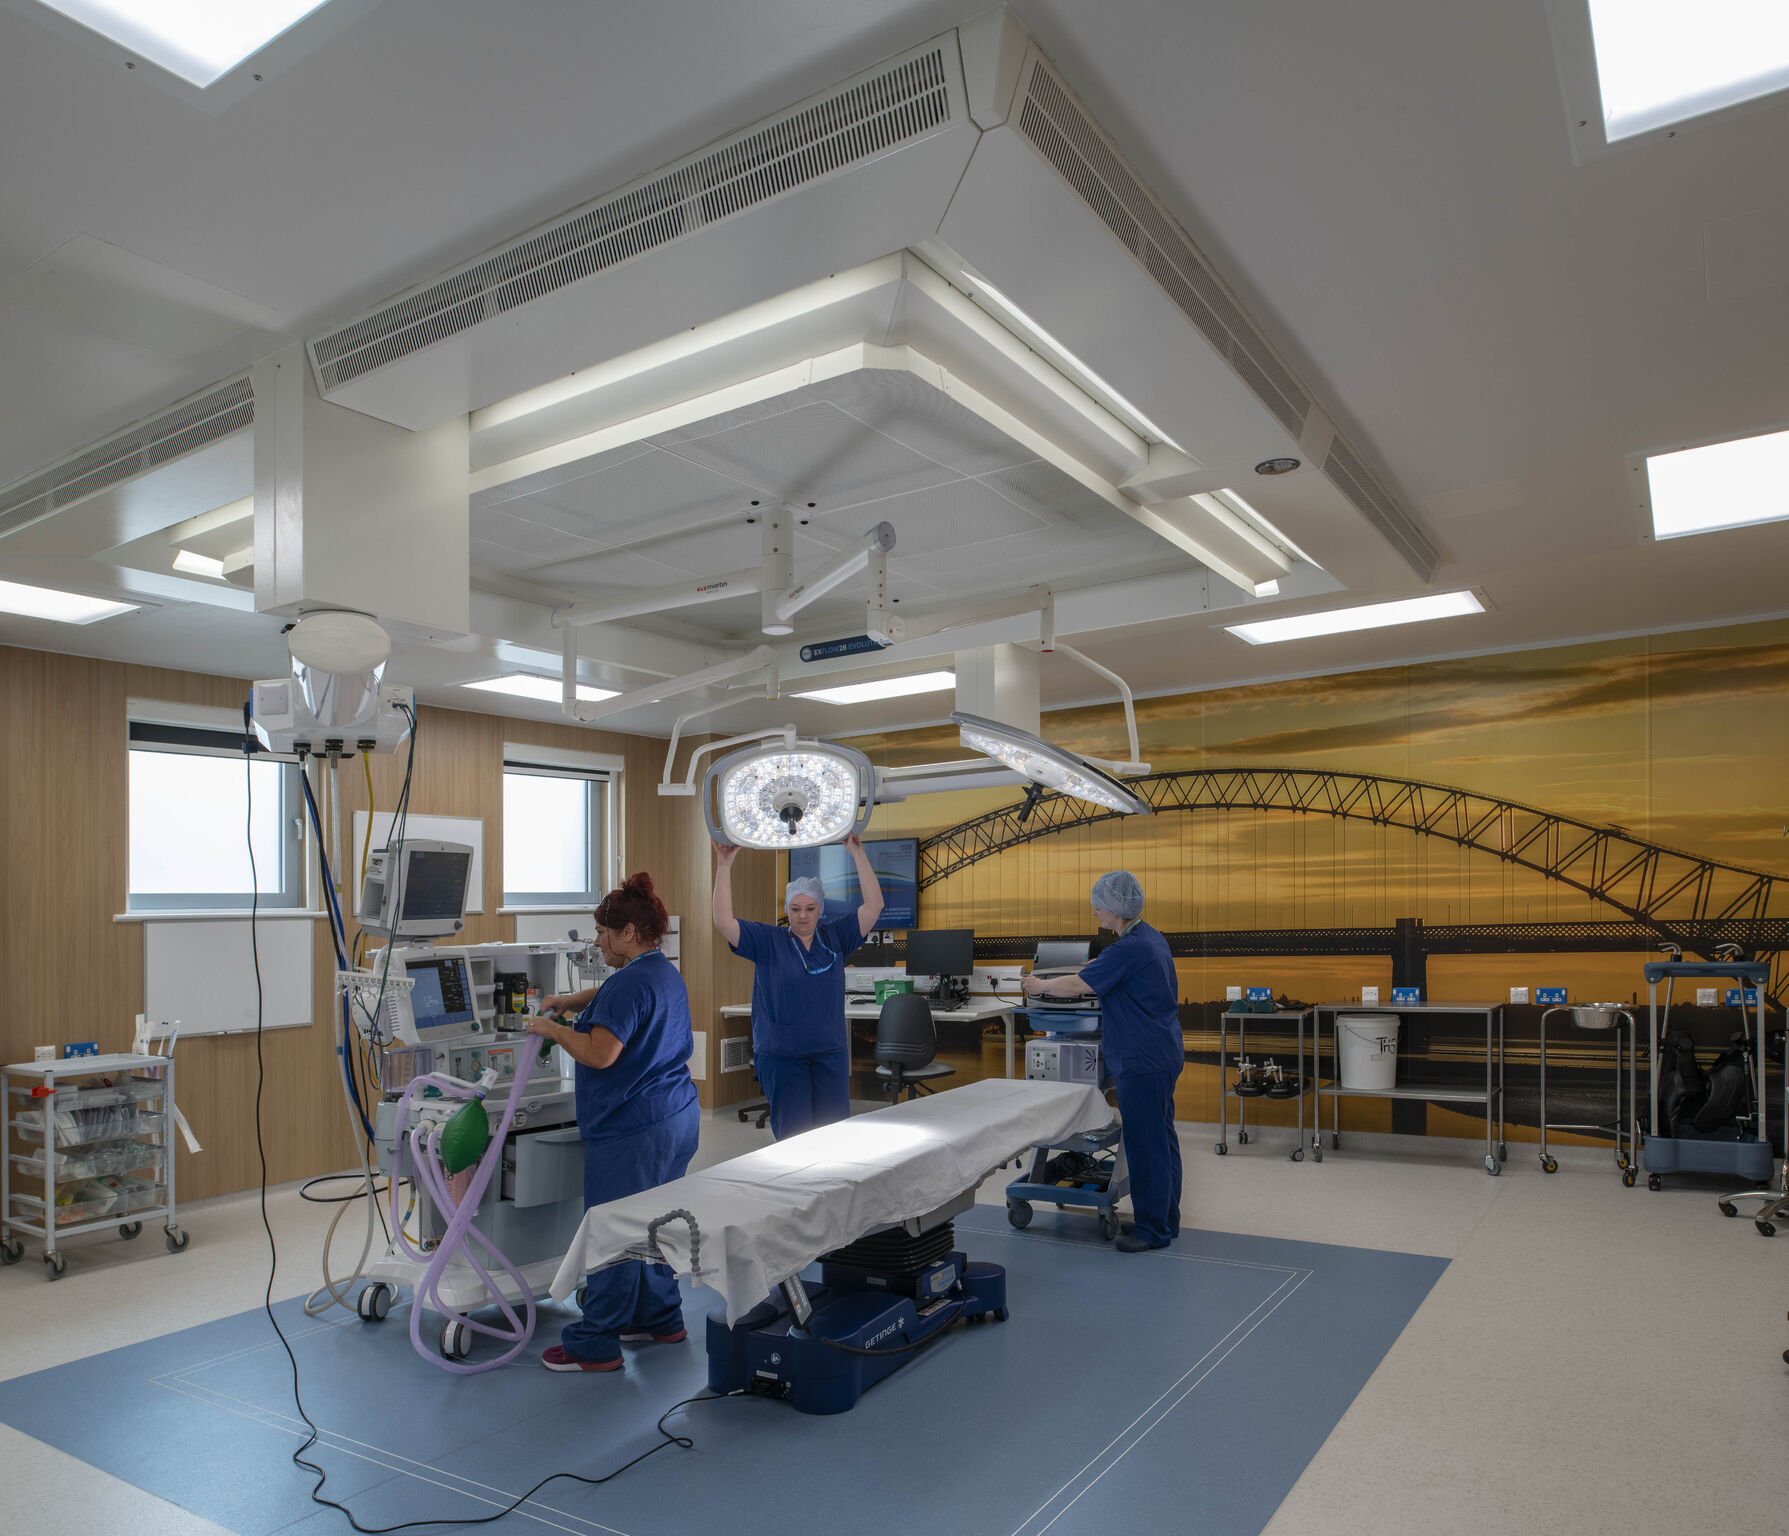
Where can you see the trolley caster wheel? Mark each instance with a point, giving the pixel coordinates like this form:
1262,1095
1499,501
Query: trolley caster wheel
374,1302
54,1265
1621,1161
1549,1165
1726,1207
1108,1226
1335,1141
11,1251
1627,1177
1242,1138
1018,1212
1298,1154
1786,1357
1492,1166
130,1229
1655,1182
1221,1148
175,1239
998,1314
1765,1228
1502,1153
456,1341
1316,1151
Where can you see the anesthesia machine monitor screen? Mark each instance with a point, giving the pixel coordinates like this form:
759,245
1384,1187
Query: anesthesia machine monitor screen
442,996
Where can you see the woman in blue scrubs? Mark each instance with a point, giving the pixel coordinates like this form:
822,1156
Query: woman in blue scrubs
800,1042
1134,979
637,1113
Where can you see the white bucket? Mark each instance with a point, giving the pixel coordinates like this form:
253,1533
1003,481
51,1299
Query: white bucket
1367,1046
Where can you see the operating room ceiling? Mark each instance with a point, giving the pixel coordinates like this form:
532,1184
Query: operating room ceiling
1388,186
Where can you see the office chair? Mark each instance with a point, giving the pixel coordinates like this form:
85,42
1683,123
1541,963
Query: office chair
906,1042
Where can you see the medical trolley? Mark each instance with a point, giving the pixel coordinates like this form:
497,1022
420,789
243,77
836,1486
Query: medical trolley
1277,1089
101,1153
1609,1019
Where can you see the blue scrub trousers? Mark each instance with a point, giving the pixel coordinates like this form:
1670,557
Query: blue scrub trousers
1146,1102
805,1091
631,1297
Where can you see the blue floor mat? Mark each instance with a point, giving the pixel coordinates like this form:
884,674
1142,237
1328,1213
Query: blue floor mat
1178,1391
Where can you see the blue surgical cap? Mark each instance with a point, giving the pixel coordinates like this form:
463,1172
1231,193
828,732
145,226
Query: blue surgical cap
807,885
1119,894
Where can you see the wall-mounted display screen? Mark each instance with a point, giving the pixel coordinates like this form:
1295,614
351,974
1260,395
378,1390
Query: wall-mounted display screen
896,862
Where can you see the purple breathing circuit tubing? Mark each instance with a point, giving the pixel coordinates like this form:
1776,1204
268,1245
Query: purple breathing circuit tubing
458,1240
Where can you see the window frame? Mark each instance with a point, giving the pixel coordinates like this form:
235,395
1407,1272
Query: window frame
600,819
188,731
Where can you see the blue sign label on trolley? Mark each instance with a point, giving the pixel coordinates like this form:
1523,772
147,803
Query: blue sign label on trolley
1751,997
1406,997
1259,994
1549,994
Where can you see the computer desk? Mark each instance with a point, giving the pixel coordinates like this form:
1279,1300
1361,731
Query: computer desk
975,1010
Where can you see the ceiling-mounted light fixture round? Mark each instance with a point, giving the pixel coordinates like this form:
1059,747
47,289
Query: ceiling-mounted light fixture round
1276,466
1053,767
779,795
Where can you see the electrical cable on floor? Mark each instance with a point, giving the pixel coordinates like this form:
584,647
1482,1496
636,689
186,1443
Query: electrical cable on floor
273,1253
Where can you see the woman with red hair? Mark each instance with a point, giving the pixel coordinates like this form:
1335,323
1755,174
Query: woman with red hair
637,1114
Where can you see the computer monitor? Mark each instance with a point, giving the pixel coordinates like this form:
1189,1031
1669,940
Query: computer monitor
430,879
1061,954
441,1001
941,952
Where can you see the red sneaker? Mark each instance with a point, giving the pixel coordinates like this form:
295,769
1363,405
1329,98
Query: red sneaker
559,1358
642,1337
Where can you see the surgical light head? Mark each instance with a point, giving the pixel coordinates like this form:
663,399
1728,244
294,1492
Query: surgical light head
1120,894
784,795
1053,767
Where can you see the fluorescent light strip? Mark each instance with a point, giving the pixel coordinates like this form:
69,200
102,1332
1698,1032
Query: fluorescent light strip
1660,62
1342,621
1074,362
201,41
1724,485
63,607
524,685
884,688
198,565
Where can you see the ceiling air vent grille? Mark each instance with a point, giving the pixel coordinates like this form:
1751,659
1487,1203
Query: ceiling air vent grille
893,107
1070,140
1355,481
202,419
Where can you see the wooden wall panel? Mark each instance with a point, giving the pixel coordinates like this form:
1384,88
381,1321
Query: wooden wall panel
73,973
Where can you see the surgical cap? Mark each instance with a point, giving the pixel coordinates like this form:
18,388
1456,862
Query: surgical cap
807,885
1119,894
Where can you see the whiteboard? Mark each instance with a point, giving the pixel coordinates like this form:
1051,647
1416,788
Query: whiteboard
203,974
439,829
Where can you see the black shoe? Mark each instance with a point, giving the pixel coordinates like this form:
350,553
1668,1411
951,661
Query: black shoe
1125,1228
1129,1242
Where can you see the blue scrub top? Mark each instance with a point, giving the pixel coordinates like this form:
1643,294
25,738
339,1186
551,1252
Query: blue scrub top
798,995
1137,989
646,1007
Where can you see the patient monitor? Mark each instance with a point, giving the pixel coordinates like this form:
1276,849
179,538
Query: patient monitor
415,889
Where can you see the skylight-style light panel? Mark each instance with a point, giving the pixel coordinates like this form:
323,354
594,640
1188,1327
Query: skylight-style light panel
1724,485
524,685
884,688
63,607
200,41
1342,621
1660,62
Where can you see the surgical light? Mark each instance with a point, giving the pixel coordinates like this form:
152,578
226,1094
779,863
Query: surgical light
198,40
1723,485
789,794
525,685
1053,767
884,688
63,607
1342,621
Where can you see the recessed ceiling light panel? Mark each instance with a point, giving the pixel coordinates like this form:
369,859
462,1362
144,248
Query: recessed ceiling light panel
1053,767
779,796
63,607
199,41
1660,62
524,685
1342,621
1723,485
191,563
884,688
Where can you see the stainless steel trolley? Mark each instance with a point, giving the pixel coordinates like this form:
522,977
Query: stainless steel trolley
1227,1090
1776,1201
115,1140
1608,1018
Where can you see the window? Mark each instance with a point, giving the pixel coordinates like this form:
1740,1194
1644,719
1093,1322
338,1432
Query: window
190,822
557,835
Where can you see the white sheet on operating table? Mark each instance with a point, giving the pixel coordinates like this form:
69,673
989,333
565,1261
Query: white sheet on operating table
769,1214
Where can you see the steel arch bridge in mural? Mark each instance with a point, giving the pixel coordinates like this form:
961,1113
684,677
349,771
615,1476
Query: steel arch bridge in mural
1673,896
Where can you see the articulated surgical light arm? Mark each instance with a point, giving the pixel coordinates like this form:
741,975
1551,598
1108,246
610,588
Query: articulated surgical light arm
892,628
1130,712
688,785
868,553
759,659
667,786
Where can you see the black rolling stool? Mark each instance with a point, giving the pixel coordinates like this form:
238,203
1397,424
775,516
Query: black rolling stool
906,1042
